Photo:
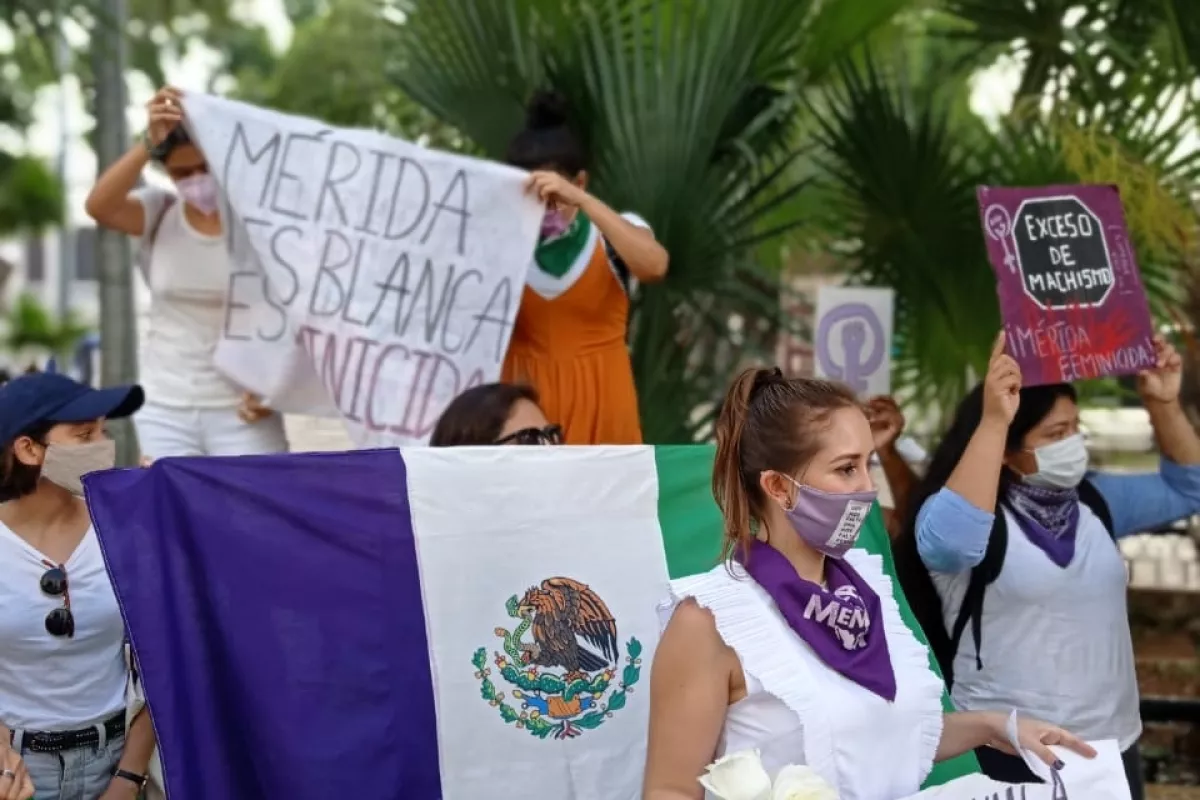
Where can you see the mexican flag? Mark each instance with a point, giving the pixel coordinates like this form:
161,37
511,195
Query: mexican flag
418,624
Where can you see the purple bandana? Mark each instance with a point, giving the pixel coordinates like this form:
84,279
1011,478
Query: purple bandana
1049,518
843,625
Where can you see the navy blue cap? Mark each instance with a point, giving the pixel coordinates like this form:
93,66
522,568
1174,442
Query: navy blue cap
50,397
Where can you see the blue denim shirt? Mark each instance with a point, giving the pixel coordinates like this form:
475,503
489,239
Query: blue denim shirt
952,534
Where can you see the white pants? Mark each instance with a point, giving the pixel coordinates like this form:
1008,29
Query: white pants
164,431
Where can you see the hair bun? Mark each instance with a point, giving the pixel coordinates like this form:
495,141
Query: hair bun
547,109
765,377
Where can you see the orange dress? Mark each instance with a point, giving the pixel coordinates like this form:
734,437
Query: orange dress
569,344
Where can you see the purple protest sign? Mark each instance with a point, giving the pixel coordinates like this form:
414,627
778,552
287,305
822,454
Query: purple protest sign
1070,293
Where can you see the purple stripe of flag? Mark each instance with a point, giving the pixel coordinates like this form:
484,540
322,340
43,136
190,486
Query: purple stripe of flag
274,603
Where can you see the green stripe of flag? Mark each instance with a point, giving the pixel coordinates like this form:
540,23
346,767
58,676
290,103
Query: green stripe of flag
692,530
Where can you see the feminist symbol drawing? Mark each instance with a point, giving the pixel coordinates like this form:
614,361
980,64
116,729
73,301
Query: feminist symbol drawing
853,337
1000,227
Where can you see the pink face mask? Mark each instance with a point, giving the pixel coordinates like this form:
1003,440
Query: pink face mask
200,192
554,224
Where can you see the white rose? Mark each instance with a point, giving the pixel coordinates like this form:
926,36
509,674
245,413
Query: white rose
738,776
801,783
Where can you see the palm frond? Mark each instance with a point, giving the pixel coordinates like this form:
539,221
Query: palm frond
902,179
690,109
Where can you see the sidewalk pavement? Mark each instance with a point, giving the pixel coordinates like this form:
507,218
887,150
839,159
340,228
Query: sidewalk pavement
316,434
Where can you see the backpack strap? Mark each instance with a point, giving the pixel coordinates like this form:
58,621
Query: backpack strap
971,610
988,570
620,268
150,234
1090,496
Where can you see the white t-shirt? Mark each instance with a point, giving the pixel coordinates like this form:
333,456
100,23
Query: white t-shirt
52,683
1055,641
188,278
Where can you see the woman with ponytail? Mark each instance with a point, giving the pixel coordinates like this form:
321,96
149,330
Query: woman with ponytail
569,338
795,646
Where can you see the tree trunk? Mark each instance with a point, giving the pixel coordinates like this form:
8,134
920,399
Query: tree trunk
118,319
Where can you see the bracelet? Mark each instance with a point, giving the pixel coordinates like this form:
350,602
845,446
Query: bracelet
156,152
140,780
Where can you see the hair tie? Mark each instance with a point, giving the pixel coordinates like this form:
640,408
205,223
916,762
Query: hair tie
765,378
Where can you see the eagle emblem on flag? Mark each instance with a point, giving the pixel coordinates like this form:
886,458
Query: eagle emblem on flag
564,676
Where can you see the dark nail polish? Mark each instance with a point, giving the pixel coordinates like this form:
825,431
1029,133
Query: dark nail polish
1058,764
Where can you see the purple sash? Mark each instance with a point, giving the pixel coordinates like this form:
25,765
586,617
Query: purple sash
843,625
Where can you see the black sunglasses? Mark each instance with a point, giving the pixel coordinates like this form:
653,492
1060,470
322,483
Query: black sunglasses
60,621
551,434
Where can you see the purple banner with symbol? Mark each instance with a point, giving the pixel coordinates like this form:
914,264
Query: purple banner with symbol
1070,292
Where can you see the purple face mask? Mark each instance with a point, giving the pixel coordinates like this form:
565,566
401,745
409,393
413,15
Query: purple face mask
554,224
199,192
829,523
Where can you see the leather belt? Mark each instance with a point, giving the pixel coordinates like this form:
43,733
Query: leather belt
61,741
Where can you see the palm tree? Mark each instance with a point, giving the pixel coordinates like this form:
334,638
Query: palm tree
691,111
30,196
901,163
331,70
32,332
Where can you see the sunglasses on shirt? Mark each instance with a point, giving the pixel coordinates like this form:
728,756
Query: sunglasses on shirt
60,621
551,434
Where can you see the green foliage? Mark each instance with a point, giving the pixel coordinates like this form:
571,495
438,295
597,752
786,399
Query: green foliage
901,179
335,70
31,327
691,113
548,684
31,197
901,209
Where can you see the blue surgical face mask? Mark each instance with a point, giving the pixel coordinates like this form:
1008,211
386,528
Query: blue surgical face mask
1060,465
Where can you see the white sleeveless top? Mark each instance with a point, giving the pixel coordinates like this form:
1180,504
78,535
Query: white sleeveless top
1055,641
799,711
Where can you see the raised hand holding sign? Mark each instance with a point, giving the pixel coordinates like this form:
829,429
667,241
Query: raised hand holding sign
1070,293
374,278
1002,384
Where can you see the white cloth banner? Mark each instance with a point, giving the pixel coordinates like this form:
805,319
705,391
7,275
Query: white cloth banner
373,278
1099,778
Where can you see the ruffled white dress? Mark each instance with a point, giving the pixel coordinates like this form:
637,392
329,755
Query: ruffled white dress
799,711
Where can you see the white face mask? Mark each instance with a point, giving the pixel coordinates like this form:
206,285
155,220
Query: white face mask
66,464
1060,465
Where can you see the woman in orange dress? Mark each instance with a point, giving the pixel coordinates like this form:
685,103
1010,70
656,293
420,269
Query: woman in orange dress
569,339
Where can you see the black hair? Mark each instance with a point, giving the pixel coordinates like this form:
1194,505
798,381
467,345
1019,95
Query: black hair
178,137
1036,402
18,479
477,416
548,140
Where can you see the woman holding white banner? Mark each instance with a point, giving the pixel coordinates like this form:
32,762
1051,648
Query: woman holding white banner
795,646
1009,509
191,408
569,337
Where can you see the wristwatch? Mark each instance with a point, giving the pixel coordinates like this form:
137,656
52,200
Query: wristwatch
140,780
